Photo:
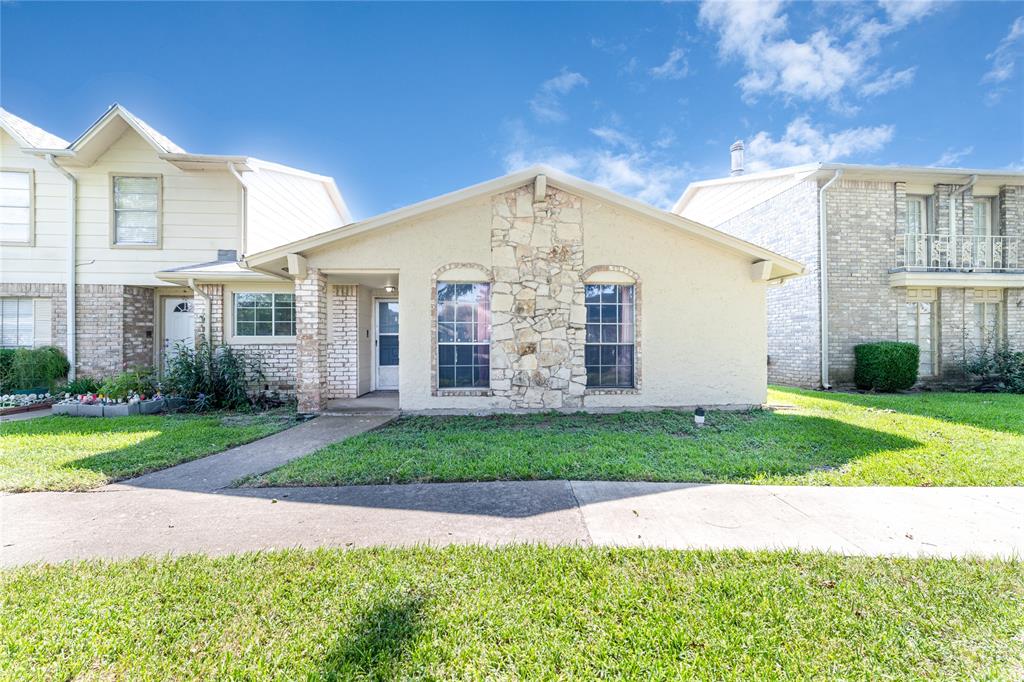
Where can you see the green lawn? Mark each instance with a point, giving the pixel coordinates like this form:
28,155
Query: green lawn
77,453
516,613
924,439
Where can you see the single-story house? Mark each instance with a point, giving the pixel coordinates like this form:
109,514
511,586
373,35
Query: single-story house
536,290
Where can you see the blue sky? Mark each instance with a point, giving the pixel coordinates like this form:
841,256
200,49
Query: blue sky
401,102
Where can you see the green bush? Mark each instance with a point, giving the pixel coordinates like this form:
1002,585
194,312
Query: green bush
1000,370
223,377
886,365
28,368
79,386
123,385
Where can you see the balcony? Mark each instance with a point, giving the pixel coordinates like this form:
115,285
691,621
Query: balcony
958,260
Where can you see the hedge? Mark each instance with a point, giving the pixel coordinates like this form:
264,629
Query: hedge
886,365
31,368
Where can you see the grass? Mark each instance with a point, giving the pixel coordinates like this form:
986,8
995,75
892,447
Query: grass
811,438
78,453
521,612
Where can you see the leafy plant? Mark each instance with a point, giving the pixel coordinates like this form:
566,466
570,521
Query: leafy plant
1000,369
79,386
886,365
222,377
120,387
28,368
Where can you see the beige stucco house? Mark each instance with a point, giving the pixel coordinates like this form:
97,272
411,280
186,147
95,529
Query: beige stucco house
535,290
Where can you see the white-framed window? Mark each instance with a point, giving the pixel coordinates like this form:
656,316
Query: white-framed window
16,322
16,206
987,327
917,215
920,329
610,346
135,210
982,216
264,314
463,335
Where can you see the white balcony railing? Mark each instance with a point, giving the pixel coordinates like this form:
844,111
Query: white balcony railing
986,253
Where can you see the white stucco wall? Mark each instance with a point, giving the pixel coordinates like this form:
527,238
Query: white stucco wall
703,317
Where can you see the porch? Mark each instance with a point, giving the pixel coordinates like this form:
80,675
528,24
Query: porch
959,253
374,403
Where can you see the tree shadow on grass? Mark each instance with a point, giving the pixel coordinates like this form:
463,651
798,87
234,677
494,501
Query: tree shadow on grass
377,643
992,411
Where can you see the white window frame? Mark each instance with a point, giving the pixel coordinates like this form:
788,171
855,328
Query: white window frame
986,304
922,201
158,244
31,208
18,303
915,335
229,314
989,227
454,343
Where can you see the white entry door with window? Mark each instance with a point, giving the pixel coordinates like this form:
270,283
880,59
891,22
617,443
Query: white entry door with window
178,326
386,345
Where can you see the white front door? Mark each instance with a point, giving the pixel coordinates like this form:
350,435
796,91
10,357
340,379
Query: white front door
386,344
178,326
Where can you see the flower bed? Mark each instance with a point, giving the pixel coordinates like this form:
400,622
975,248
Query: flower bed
93,405
15,403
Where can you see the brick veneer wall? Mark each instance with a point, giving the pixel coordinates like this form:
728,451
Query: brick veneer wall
58,306
311,341
343,346
788,224
862,223
137,327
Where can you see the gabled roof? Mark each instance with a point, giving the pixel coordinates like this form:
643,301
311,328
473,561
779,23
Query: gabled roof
28,135
110,126
751,189
782,267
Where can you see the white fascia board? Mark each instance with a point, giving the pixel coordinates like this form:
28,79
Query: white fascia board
956,279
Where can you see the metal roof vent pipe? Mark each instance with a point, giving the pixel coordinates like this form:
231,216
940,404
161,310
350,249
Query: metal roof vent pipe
736,158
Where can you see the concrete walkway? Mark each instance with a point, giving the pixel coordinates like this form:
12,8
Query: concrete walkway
126,520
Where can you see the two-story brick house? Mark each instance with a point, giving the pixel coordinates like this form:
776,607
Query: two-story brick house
101,216
934,256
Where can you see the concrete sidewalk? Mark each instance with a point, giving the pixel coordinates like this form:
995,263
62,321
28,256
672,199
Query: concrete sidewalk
125,521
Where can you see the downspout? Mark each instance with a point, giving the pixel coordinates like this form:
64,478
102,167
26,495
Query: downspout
208,322
823,275
69,296
245,206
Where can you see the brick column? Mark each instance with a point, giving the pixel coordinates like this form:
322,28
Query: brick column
343,349
214,317
311,341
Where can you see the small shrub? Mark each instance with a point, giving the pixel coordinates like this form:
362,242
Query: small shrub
886,365
213,378
26,368
123,385
79,386
1001,369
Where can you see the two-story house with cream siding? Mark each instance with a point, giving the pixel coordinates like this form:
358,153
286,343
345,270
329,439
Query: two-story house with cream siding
99,217
933,256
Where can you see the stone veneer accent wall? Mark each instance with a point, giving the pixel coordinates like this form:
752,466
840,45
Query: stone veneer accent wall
788,224
343,343
311,341
537,302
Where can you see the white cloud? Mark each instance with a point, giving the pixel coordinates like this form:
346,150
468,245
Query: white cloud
619,162
903,12
951,157
1004,57
805,142
824,66
890,80
547,102
674,67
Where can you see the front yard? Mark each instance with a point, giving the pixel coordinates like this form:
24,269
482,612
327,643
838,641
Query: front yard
809,438
521,612
78,453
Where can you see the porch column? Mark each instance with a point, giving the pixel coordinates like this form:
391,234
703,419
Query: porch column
311,341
